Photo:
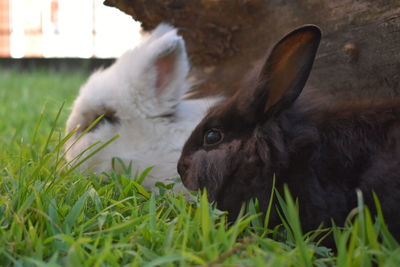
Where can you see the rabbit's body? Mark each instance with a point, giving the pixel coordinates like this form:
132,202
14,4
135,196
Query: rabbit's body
141,97
327,153
322,152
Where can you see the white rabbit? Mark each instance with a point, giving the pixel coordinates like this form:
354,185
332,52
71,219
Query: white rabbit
141,97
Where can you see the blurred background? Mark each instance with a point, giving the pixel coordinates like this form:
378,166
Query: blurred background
48,48
56,28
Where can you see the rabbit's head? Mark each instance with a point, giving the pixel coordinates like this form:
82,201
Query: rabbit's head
140,96
235,149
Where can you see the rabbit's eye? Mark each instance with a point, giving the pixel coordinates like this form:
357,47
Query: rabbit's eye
109,117
212,137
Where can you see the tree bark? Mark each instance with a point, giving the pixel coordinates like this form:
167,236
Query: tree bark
359,54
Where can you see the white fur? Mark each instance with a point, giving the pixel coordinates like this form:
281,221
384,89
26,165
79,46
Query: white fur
147,136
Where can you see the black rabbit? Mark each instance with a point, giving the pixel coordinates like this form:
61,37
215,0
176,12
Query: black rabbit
322,152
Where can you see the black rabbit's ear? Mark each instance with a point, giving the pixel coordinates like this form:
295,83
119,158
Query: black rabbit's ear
287,68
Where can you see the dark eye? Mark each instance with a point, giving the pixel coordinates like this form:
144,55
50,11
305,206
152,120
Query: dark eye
109,117
212,137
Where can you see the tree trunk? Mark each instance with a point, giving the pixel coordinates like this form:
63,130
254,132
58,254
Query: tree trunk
359,54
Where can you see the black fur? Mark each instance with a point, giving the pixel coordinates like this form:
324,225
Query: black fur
322,152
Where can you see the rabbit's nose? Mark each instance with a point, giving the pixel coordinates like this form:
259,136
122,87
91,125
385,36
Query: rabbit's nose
182,167
188,180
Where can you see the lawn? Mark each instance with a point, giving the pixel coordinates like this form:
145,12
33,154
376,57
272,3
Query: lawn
54,216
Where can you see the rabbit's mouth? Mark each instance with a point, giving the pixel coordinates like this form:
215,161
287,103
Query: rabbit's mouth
191,183
198,172
195,171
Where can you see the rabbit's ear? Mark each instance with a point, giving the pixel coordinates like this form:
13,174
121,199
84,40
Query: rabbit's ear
286,70
168,60
159,31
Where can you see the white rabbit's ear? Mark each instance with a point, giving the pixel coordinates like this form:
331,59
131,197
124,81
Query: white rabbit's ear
172,66
159,31
167,60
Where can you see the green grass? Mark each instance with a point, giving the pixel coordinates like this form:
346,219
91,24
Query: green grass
50,216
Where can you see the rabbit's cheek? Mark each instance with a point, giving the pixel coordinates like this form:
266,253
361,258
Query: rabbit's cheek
190,169
208,169
214,167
